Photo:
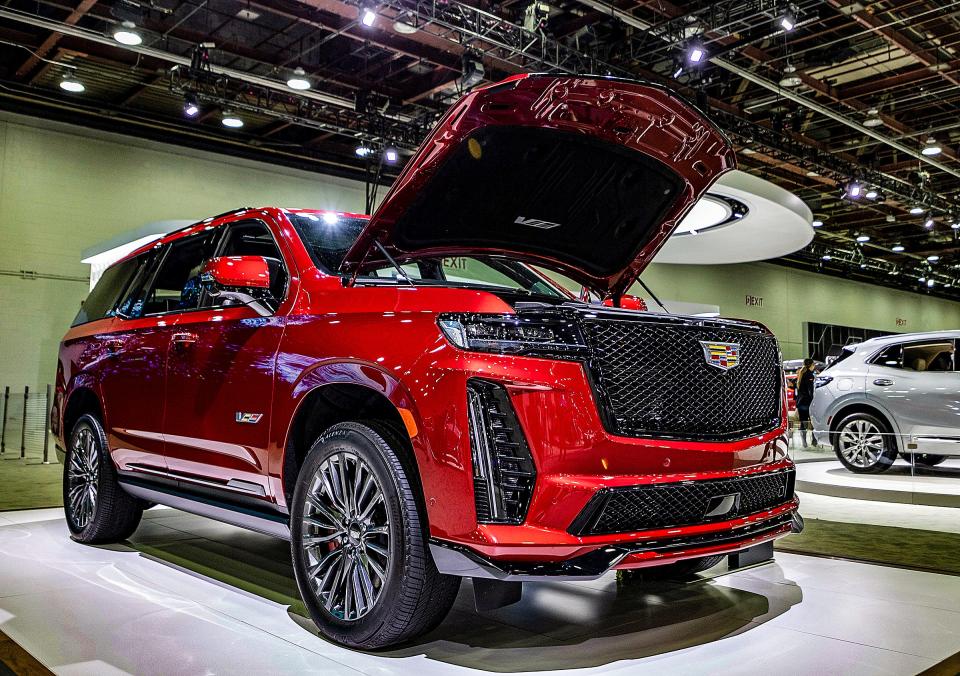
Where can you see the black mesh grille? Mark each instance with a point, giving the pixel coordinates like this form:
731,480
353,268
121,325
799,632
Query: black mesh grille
624,510
653,379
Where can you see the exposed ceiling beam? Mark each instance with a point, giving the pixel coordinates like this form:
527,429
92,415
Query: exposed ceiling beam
54,38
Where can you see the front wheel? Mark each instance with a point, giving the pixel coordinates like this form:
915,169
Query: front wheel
359,542
97,509
863,444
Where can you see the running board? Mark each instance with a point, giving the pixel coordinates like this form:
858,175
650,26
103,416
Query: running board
261,521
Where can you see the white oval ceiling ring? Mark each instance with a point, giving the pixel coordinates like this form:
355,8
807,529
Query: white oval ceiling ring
742,218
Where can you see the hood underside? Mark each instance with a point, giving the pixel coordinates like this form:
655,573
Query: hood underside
586,176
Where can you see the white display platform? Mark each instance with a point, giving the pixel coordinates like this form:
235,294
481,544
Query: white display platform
191,596
936,486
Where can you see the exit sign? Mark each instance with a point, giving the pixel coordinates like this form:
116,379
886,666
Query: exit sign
753,301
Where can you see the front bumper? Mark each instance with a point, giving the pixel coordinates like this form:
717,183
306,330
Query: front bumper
454,559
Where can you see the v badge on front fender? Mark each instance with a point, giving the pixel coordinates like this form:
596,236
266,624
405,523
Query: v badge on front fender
249,418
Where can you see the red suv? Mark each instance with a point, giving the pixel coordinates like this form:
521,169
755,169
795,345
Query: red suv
406,397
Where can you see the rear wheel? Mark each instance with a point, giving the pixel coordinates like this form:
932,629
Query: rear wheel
681,570
359,544
863,444
97,509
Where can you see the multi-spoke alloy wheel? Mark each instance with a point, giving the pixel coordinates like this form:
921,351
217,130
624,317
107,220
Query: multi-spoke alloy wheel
346,536
358,539
98,510
863,444
83,477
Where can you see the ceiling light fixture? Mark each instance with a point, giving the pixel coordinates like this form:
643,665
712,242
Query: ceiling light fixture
931,147
191,106
930,282
826,257
816,223
788,20
406,24
695,52
863,238
916,210
790,77
126,34
897,248
933,259
363,150
229,119
71,84
928,222
367,16
299,80
853,190
922,279
873,118
955,225
390,155
872,194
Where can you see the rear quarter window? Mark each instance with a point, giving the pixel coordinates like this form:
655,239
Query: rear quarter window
103,298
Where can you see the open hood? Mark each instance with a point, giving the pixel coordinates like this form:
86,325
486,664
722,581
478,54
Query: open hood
587,176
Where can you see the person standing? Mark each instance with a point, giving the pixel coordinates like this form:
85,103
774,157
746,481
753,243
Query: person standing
804,396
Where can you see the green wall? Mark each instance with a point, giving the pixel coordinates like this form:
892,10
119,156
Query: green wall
65,188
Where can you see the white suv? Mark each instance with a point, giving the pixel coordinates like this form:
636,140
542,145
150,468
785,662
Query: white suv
888,396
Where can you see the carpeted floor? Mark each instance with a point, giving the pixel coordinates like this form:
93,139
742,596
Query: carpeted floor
28,484
15,661
914,548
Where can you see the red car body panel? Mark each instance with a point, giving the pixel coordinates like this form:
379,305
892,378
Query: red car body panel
177,390
642,117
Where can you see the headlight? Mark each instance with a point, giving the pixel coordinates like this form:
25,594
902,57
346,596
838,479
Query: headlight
539,335
820,381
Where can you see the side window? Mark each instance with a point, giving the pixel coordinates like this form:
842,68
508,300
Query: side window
252,238
891,357
929,357
103,298
176,285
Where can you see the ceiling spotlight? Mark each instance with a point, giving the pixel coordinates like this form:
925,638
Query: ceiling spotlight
126,34
872,194
191,107
826,257
695,52
930,282
229,119
299,80
922,280
928,222
816,223
367,16
955,225
363,150
897,248
471,69
933,259
390,155
863,238
863,266
790,77
931,147
853,190
812,173
916,210
873,118
70,83
788,20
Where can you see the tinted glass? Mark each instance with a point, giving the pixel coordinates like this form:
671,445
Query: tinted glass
891,357
103,299
929,357
327,239
176,285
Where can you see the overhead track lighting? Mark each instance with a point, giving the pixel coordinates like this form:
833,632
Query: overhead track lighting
368,17
71,84
126,34
299,80
696,52
788,20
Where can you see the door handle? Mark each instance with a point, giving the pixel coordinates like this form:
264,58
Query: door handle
180,340
883,382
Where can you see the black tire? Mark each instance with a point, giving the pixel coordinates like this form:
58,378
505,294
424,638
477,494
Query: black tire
681,570
411,597
113,515
863,444
925,459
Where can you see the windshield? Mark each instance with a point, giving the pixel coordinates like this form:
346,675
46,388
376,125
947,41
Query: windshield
329,236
